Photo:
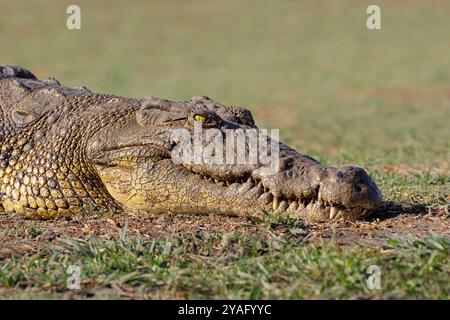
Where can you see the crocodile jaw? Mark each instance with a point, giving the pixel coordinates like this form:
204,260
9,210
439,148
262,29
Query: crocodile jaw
162,187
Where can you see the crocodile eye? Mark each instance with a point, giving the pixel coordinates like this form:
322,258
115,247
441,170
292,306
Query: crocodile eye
199,117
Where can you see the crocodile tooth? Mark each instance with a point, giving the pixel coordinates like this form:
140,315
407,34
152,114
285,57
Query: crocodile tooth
333,212
340,214
228,183
289,201
216,181
294,205
301,206
276,202
320,200
283,206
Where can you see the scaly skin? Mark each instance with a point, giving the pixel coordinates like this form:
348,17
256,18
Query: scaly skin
65,151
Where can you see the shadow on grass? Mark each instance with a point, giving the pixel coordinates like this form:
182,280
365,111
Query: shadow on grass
391,209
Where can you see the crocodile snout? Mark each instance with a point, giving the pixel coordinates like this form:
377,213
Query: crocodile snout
350,192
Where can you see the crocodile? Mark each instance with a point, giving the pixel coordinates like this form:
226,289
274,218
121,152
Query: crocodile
67,151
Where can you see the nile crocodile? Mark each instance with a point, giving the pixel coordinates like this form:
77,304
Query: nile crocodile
69,150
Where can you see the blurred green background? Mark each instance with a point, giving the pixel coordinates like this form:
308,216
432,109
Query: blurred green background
335,89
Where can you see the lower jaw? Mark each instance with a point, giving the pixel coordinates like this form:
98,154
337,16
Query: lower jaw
314,212
201,202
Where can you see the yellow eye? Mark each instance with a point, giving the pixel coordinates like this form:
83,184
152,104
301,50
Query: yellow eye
199,117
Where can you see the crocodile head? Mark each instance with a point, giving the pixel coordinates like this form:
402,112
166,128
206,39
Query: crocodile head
62,149
137,163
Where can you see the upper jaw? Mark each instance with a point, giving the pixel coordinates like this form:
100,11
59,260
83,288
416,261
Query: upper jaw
329,193
315,204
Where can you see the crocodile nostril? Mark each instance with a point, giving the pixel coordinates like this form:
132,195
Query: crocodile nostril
359,182
340,174
358,188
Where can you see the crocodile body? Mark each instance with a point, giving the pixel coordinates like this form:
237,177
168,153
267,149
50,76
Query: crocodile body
69,150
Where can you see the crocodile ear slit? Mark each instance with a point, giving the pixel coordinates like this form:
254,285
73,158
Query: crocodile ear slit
22,117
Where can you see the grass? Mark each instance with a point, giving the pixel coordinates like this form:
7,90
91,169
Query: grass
211,266
337,91
427,189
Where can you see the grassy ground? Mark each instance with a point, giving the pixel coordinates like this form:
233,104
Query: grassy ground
341,93
222,266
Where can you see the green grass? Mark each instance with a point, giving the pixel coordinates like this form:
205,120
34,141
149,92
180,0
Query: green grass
427,189
310,68
336,91
210,266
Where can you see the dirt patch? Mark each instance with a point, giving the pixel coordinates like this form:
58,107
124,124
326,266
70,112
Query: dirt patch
19,236
395,219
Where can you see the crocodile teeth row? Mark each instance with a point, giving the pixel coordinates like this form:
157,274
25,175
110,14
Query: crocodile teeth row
279,203
227,182
294,205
